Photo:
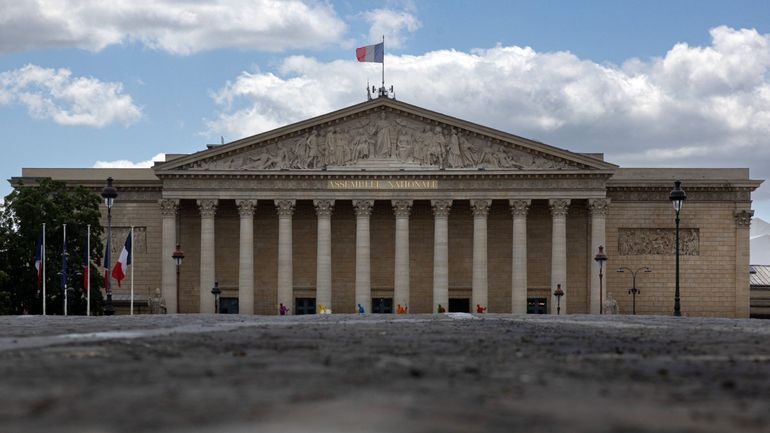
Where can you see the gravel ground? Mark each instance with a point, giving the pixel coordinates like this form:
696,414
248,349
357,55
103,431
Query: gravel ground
416,373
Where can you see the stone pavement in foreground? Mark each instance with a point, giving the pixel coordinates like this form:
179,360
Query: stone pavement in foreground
415,373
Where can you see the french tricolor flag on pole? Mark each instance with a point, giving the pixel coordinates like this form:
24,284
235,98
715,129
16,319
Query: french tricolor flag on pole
39,259
371,53
119,271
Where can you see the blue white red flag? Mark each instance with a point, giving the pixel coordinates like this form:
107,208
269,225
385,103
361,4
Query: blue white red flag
39,258
64,268
107,263
371,53
119,271
86,268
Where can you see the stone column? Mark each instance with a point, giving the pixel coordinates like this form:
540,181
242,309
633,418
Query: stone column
285,289
742,283
168,210
246,257
323,284
598,210
208,208
559,209
479,286
401,208
519,209
441,253
363,261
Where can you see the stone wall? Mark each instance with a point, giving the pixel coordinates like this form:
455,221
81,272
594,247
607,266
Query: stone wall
145,216
707,280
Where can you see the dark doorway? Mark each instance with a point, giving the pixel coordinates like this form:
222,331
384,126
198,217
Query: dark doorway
382,305
537,305
228,305
304,306
459,305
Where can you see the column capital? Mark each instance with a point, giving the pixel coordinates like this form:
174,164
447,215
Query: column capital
208,208
168,207
323,208
559,207
401,208
441,208
285,208
519,207
363,207
246,207
743,218
598,206
481,207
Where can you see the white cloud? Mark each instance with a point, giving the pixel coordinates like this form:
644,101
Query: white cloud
694,106
74,101
176,26
124,163
392,24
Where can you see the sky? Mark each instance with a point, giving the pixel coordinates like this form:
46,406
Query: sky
648,83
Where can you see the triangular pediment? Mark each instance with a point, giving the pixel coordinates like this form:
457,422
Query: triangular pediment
383,134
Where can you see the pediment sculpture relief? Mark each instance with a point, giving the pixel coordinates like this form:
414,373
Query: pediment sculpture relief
384,136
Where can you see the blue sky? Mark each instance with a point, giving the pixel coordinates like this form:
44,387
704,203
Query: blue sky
650,83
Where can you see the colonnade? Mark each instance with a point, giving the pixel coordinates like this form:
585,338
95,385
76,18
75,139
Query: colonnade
401,291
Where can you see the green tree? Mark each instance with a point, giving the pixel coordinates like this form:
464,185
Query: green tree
21,220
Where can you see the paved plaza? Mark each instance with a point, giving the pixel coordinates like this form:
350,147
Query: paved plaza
413,373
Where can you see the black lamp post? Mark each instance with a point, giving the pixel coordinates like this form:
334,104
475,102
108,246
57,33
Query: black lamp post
558,293
109,193
216,291
634,291
677,198
601,258
178,256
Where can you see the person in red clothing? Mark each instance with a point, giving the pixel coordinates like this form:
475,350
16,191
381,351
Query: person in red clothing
282,310
480,309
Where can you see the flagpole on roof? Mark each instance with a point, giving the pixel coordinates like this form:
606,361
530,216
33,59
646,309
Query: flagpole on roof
88,271
131,260
64,261
43,259
382,89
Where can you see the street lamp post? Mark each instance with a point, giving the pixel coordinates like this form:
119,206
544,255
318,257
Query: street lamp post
601,258
216,291
178,256
677,198
558,293
109,193
634,291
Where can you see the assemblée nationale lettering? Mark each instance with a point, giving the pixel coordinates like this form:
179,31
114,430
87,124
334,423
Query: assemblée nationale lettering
383,184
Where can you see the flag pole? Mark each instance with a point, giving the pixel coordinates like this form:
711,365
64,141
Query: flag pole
88,271
131,259
64,258
43,258
382,89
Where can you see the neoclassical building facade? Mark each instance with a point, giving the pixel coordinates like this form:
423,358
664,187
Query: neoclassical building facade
387,205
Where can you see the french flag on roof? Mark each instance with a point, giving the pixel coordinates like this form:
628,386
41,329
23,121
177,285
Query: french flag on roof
119,271
371,53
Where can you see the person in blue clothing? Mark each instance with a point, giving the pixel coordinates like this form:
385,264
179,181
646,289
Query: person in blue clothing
360,309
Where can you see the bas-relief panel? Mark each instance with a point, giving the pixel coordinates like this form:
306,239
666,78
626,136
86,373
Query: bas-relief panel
384,137
119,236
645,241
